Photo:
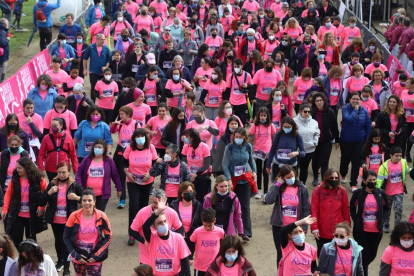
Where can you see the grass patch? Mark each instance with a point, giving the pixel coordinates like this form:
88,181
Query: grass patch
19,40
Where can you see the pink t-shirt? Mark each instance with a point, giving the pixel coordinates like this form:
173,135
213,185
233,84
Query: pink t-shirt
79,50
206,73
139,220
348,34
354,84
96,175
132,9
205,135
226,22
185,214
97,28
276,116
395,179
370,214
165,255
207,246
263,139
140,112
151,92
369,105
175,88
88,234
276,7
67,115
214,44
323,30
143,22
98,14
329,54
294,33
394,124
266,82
269,47
237,97
60,213
10,169
401,262
398,88
408,107
172,182
195,158
156,124
343,264
70,82
58,78
377,91
108,92
290,205
251,6
24,198
214,93
298,262
336,89
375,159
323,72
338,33
160,8
118,27
229,271
222,125
372,67
140,163
301,87
125,132
37,121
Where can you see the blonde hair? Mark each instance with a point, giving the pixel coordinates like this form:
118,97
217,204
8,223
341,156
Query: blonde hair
292,19
311,29
325,40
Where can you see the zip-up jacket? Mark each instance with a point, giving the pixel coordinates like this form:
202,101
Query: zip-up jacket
383,123
309,130
382,178
42,105
5,161
245,268
197,209
162,169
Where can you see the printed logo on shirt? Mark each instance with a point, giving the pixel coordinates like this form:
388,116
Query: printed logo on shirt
300,261
405,263
165,250
209,243
290,197
343,260
87,230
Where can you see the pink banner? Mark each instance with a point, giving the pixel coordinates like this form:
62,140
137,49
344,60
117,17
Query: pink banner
15,89
393,66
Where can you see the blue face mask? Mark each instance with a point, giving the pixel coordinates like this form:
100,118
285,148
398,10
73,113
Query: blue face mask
321,56
98,151
140,141
372,48
62,42
290,181
154,77
328,24
163,229
278,99
186,140
232,129
77,96
352,25
176,77
250,37
223,194
79,40
238,141
231,258
287,130
299,239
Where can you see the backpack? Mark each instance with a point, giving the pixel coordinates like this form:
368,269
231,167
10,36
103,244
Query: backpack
39,15
55,147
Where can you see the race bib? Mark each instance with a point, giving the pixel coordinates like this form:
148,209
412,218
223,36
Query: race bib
87,246
276,124
283,154
370,216
139,179
236,91
150,98
335,92
375,159
60,211
301,96
96,172
213,48
395,177
125,142
239,170
167,64
213,100
24,206
163,265
289,211
266,90
350,38
6,183
408,111
259,154
194,169
134,68
173,179
107,93
88,146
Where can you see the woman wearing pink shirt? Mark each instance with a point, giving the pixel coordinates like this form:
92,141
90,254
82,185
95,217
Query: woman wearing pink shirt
293,30
407,99
331,48
326,27
206,128
73,78
300,85
310,30
277,30
225,110
269,44
202,75
141,111
349,33
356,81
161,8
380,88
153,89
58,75
399,85
286,97
106,90
118,26
334,88
61,110
176,87
144,21
212,94
376,65
132,8
155,127
156,18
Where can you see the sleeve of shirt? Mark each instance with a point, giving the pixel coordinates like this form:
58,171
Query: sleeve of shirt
206,152
194,236
153,152
126,152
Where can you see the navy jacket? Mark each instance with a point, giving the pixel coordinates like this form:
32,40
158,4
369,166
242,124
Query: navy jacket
4,43
356,124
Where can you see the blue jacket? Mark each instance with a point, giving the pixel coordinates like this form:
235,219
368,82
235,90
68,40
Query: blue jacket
47,11
115,6
285,141
70,53
42,106
97,62
120,46
4,43
356,124
86,133
90,17
235,155
70,32
143,71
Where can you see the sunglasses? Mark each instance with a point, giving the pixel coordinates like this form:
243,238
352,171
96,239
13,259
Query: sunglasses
167,31
284,40
306,111
339,236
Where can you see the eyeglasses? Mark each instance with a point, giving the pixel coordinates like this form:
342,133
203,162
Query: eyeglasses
306,111
167,31
333,178
339,236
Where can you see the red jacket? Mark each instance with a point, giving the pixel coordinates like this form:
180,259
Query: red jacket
242,50
329,207
50,157
336,55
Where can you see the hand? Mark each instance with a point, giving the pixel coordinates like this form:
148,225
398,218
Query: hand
254,176
40,212
91,260
367,60
336,145
282,106
159,160
316,235
392,135
193,177
73,196
117,122
191,261
82,260
364,166
356,107
157,79
280,180
3,215
103,68
101,96
8,38
84,104
59,86
115,98
53,190
268,171
201,129
316,273
411,101
181,51
162,205
147,177
307,220
129,176
182,138
85,72
244,85
154,133
65,60
254,101
373,124
119,194
293,154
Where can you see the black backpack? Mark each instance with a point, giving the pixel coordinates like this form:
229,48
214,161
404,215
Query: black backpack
55,147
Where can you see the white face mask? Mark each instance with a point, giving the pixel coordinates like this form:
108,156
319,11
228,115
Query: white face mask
108,77
214,77
229,111
341,242
237,70
407,244
120,19
271,37
167,158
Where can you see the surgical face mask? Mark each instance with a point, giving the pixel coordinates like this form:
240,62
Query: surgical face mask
315,87
287,130
354,62
341,242
237,70
299,238
371,185
290,181
278,60
321,56
223,194
151,13
261,15
271,37
186,140
229,111
154,76
269,69
95,118
62,42
98,151
406,244
232,129
263,121
120,19
284,43
140,141
214,77
232,258
167,158
364,99
78,96
176,77
79,40
352,25
108,77
278,99
250,37
43,87
162,229
328,24
238,141
372,48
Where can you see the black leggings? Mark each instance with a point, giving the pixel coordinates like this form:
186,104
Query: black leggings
277,241
101,203
321,158
410,127
202,185
138,199
108,115
350,153
19,226
120,169
61,250
320,244
370,242
240,111
303,167
154,110
261,170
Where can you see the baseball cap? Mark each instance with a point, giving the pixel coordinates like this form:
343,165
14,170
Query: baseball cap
150,58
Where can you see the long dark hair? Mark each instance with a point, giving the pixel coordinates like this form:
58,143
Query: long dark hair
6,129
34,255
99,142
194,135
285,170
9,250
174,121
139,132
33,173
257,119
368,145
231,119
231,242
291,122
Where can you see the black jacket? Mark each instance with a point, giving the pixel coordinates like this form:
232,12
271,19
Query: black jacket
5,161
248,67
223,66
82,110
195,215
51,200
330,125
132,63
160,90
166,55
22,135
123,99
167,138
84,47
117,69
289,54
358,200
346,55
330,11
384,124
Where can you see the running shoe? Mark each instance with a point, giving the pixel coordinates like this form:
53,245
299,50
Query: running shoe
131,240
59,266
258,195
121,204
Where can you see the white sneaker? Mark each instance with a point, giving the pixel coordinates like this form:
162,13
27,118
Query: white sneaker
264,198
343,179
258,195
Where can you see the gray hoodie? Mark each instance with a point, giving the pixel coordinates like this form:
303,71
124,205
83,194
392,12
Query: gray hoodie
309,130
190,49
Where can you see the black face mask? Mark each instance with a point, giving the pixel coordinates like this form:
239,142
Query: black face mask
198,120
144,13
14,150
188,196
193,27
12,126
307,42
371,185
269,69
125,37
64,180
230,57
214,35
181,121
333,183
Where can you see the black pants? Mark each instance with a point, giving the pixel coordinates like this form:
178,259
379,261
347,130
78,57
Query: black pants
370,242
202,185
321,158
350,153
101,203
303,167
161,152
296,107
138,199
20,226
410,127
320,244
261,171
93,78
240,111
333,107
108,115
199,273
277,241
61,250
120,169
243,192
154,110
191,246
51,175
170,199
45,35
